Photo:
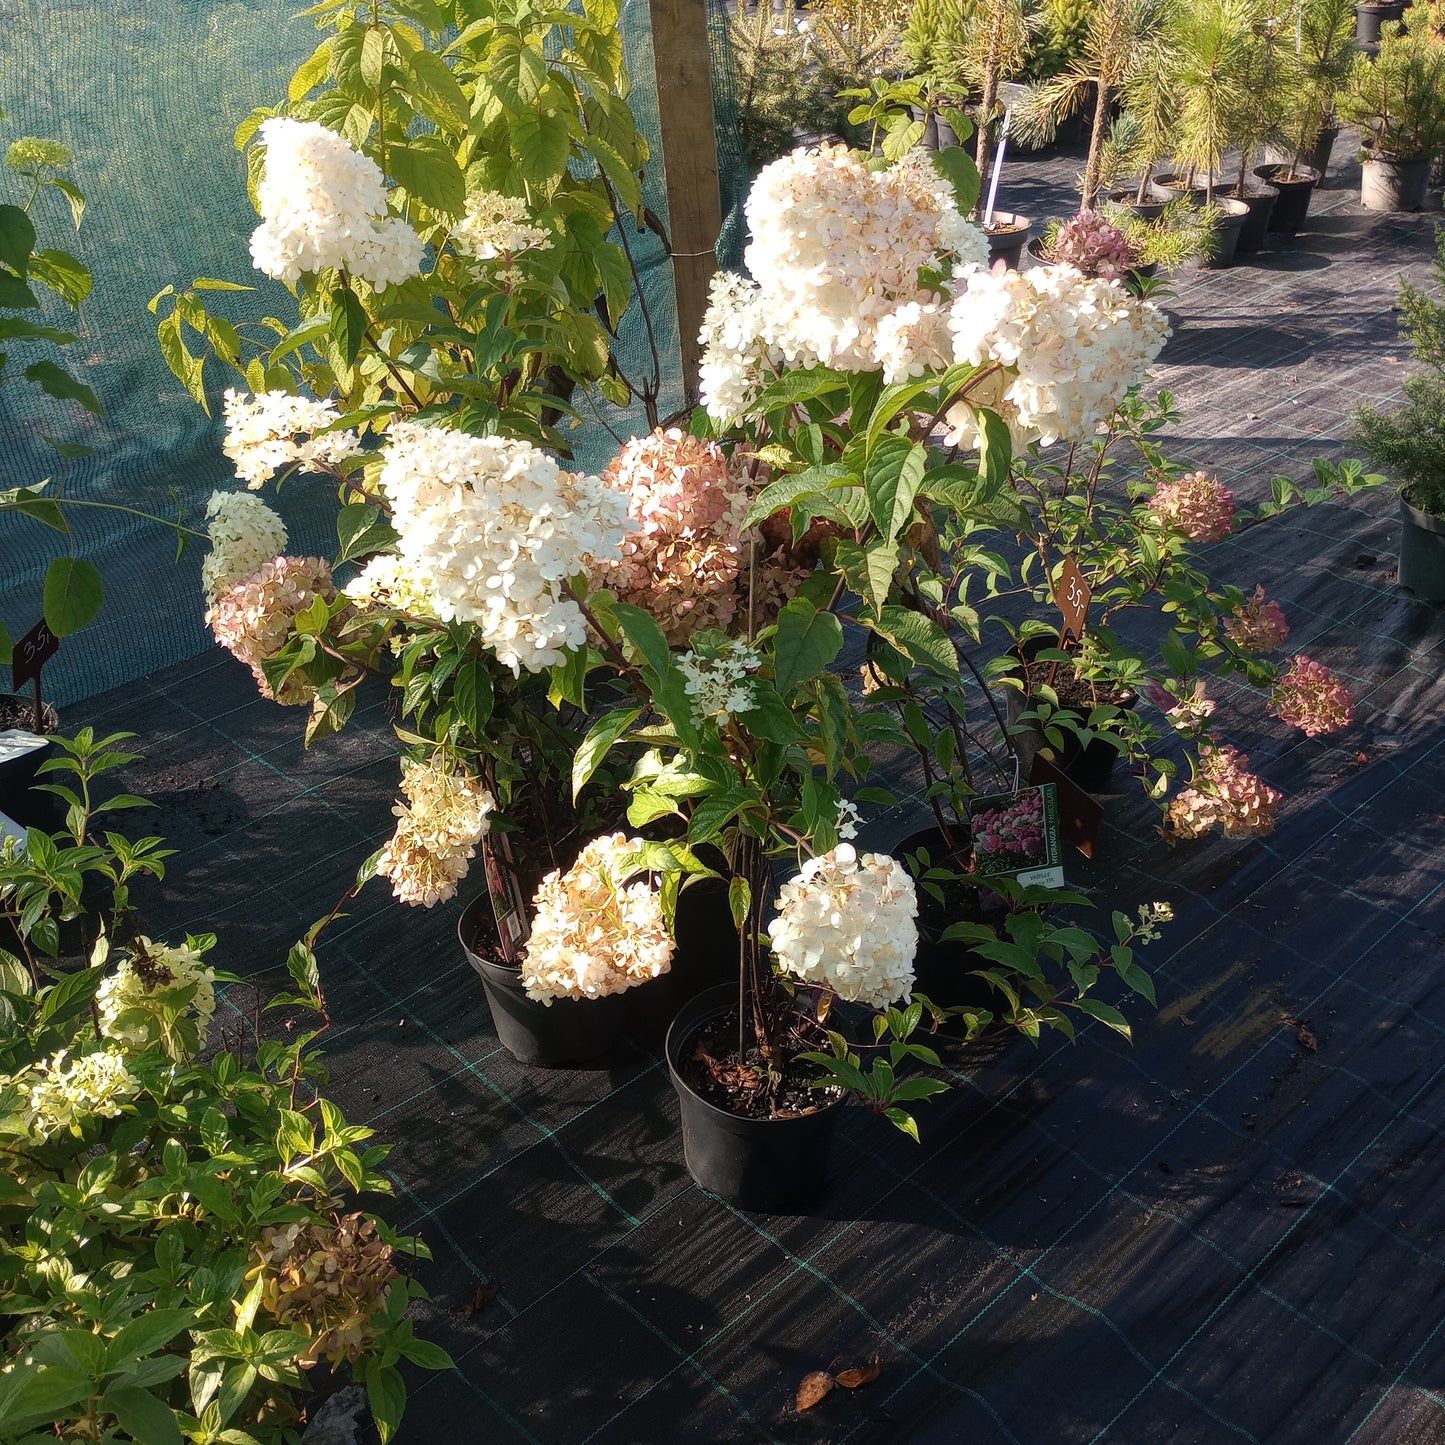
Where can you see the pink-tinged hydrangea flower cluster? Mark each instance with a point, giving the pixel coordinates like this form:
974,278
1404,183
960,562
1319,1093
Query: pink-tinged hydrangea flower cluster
244,533
1186,714
1198,504
323,207
1311,698
447,813
1015,832
1257,624
848,923
491,528
1224,794
680,561
1090,244
593,933
264,433
1073,345
254,618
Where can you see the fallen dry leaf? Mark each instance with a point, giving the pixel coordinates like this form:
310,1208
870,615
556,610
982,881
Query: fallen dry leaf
482,1296
863,1375
815,1387
1302,1033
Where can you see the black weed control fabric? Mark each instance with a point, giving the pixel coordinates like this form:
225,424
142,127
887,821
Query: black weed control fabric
1230,1231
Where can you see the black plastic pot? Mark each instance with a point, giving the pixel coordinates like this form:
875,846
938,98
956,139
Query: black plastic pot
1388,184
1317,157
770,1165
1261,207
567,1032
1422,553
1144,210
1232,216
944,972
1169,186
706,956
1369,18
1293,206
1008,246
18,801
929,138
1091,766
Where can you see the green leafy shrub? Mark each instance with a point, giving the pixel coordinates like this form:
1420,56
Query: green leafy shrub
1410,443
178,1242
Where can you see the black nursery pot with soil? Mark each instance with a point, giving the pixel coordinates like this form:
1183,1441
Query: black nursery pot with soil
1261,203
1233,216
567,1032
1369,18
1091,766
1295,186
1146,210
20,764
770,1163
1006,235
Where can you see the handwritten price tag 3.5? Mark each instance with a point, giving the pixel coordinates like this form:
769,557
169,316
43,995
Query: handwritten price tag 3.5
1072,596
31,653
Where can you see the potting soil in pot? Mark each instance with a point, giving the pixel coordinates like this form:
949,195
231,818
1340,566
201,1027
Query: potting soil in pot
710,1068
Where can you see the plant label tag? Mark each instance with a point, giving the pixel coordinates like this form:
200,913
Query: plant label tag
508,906
1072,597
1018,833
1080,815
16,742
31,653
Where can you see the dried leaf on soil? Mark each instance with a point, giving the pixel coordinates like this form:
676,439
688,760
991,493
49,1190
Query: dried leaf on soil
862,1375
814,1388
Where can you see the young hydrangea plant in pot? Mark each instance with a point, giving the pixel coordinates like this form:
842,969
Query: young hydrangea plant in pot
1409,443
832,412
1088,698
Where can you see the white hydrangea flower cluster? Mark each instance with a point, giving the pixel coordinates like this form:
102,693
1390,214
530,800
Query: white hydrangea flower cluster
836,253
131,1001
67,1091
496,226
491,528
1074,345
446,815
323,206
716,682
264,433
245,534
849,923
592,936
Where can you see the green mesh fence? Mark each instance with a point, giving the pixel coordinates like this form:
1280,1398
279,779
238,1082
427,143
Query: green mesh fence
147,94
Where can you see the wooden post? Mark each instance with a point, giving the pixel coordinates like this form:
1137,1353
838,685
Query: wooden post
689,158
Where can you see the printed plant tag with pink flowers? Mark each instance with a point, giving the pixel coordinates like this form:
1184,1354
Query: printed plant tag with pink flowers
1018,833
